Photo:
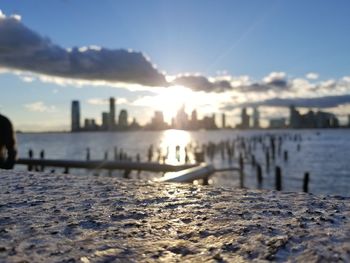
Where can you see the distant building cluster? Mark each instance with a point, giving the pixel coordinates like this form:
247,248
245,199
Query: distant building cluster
312,119
109,122
309,120
248,122
184,121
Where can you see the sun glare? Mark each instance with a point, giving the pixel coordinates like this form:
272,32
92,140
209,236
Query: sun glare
173,144
171,99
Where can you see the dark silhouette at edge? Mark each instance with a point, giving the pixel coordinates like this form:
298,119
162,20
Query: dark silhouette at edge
8,149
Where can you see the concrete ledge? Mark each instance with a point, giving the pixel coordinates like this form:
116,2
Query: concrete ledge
68,218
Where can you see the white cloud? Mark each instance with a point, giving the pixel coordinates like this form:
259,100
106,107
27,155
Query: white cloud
16,16
27,79
122,101
13,16
2,15
84,48
39,106
273,76
312,76
104,101
97,101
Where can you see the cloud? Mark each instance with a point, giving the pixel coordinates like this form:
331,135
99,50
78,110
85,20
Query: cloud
202,83
27,78
277,79
97,101
23,49
39,106
316,102
103,101
312,76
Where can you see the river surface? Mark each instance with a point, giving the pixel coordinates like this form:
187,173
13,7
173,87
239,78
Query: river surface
325,154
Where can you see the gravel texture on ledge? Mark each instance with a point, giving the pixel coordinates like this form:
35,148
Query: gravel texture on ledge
70,218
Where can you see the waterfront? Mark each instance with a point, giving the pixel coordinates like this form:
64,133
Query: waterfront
324,153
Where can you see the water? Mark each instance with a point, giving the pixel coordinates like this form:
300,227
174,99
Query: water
325,154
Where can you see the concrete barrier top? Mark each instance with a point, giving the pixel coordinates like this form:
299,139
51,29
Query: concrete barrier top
68,218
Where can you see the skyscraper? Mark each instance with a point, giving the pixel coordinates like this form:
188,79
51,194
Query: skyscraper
111,123
181,119
223,118
245,119
295,118
157,122
75,116
105,120
194,120
256,118
123,119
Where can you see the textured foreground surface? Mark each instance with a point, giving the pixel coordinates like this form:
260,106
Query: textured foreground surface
67,218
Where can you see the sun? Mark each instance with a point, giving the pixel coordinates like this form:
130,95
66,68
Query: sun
171,99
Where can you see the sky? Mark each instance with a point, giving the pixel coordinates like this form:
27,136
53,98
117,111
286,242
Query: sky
213,56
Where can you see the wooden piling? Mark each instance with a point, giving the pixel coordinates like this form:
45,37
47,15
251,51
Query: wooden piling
259,175
30,155
267,159
253,160
241,171
306,182
42,157
127,174
278,178
87,154
115,153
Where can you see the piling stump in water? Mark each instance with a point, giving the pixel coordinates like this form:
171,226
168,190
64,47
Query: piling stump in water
267,158
30,155
87,154
259,175
253,160
241,173
285,155
306,182
42,157
278,178
199,157
127,174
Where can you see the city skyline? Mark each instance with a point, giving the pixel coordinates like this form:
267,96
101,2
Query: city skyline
184,121
246,55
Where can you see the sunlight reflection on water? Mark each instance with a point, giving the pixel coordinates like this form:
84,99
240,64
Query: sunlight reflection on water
171,139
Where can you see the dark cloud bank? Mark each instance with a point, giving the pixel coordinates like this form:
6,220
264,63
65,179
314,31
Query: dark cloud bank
201,83
319,102
24,49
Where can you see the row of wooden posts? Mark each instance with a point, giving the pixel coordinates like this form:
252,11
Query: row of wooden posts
245,147
278,177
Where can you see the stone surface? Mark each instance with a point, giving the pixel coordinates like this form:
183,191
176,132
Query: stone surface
69,218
